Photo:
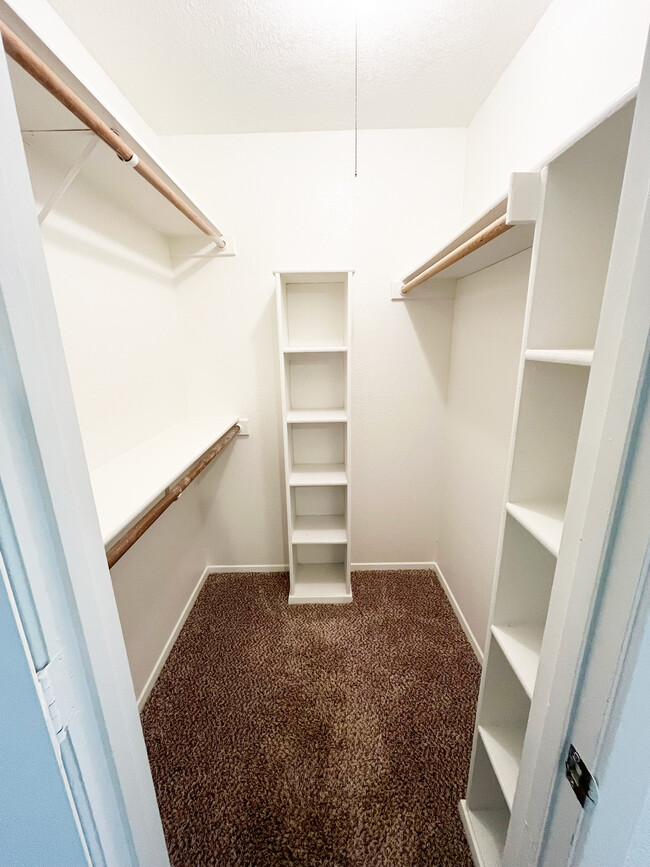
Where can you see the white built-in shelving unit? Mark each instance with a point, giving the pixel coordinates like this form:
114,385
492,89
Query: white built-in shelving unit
578,205
314,337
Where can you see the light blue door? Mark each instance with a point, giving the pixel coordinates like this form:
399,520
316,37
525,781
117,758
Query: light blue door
38,824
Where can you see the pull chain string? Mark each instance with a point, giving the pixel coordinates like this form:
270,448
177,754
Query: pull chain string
356,92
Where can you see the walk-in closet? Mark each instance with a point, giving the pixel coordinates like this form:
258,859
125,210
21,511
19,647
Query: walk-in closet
323,433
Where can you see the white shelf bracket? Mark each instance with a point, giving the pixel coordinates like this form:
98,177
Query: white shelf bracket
430,290
68,179
193,247
524,196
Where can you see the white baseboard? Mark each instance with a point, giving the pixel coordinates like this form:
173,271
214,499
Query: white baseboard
219,570
476,647
162,659
470,833
355,567
389,567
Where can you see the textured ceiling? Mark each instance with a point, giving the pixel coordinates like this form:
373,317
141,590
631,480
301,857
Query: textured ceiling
211,66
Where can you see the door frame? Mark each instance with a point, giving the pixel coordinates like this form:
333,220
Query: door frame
619,744
42,424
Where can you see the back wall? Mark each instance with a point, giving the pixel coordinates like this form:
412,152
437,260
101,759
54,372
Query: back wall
293,203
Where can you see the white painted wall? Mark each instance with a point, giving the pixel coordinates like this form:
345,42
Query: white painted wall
117,309
293,203
154,581
116,303
486,344
579,59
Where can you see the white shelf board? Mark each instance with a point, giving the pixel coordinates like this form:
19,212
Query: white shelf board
126,486
497,210
118,183
305,475
313,349
316,416
521,646
544,521
335,276
581,357
319,583
319,529
504,745
486,832
517,239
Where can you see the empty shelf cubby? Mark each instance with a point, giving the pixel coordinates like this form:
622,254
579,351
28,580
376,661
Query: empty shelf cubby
315,381
320,573
319,514
317,454
524,589
485,813
550,413
315,310
575,237
502,720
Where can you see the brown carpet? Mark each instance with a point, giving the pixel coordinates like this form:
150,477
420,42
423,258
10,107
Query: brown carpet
329,736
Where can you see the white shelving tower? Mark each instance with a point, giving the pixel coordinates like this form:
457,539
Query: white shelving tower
545,499
314,323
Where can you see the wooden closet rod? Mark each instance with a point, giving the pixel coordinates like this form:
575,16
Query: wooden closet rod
498,227
131,537
32,64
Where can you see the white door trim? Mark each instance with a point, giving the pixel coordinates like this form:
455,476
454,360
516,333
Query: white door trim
53,440
617,740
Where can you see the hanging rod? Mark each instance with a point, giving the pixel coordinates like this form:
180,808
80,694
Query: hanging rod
34,66
498,227
119,549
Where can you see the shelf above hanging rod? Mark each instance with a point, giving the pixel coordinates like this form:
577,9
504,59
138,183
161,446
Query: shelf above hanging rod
504,230
133,490
41,73
480,239
68,129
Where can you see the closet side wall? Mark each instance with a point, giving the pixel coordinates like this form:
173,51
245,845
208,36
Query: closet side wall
116,303
579,59
292,202
487,332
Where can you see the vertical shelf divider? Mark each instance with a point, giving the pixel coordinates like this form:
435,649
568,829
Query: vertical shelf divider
314,338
